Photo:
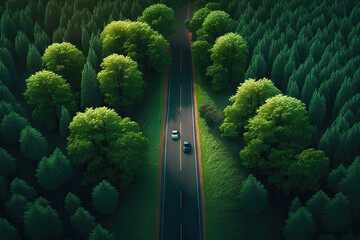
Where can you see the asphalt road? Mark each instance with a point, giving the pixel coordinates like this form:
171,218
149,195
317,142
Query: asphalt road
180,216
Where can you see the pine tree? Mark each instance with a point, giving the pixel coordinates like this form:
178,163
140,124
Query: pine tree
253,196
82,221
53,171
8,60
52,16
100,233
64,122
42,222
5,75
58,35
293,89
337,214
275,48
317,49
308,88
295,205
350,186
16,207
327,237
11,127
277,73
317,109
317,203
335,177
289,67
257,68
42,40
42,202
85,38
8,231
21,48
33,60
19,186
105,197
90,92
347,90
72,202
4,194
7,163
7,26
32,144
300,225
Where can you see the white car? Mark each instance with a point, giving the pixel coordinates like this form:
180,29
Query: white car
175,134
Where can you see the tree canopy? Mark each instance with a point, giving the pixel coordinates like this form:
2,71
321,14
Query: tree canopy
66,60
121,82
111,147
250,95
46,92
161,18
278,132
228,56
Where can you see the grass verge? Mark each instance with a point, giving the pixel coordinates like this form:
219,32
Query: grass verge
134,219
223,176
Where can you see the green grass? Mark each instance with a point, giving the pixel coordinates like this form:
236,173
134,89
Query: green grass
134,219
223,176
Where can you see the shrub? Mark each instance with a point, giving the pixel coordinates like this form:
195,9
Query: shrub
211,115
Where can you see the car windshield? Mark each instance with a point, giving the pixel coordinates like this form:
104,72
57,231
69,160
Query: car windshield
174,131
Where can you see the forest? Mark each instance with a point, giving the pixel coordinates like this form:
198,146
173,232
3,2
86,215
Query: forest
278,93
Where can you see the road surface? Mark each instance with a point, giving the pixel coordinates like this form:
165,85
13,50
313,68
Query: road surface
180,216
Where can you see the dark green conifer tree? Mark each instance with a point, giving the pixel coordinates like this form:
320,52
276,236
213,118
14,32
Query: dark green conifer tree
21,48
4,194
7,163
64,122
253,196
317,109
105,197
8,231
52,16
335,177
42,40
8,60
19,186
277,73
350,186
347,90
299,225
42,222
11,127
16,207
90,92
100,233
5,76
33,60
32,143
337,213
308,88
85,38
295,205
7,26
72,202
317,203
53,171
82,221
257,68
5,108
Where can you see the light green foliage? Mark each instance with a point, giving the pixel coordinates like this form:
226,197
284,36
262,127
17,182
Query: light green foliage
253,196
100,233
138,41
16,207
216,24
66,60
337,213
310,166
335,177
160,18
42,222
121,82
7,163
196,22
295,205
33,60
11,127
53,171
19,186
201,53
64,122
105,197
21,47
32,144
8,231
228,56
300,225
72,202
317,203
350,186
46,92
249,96
111,147
82,221
278,131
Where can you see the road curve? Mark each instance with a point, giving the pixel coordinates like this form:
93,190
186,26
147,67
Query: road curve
180,214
